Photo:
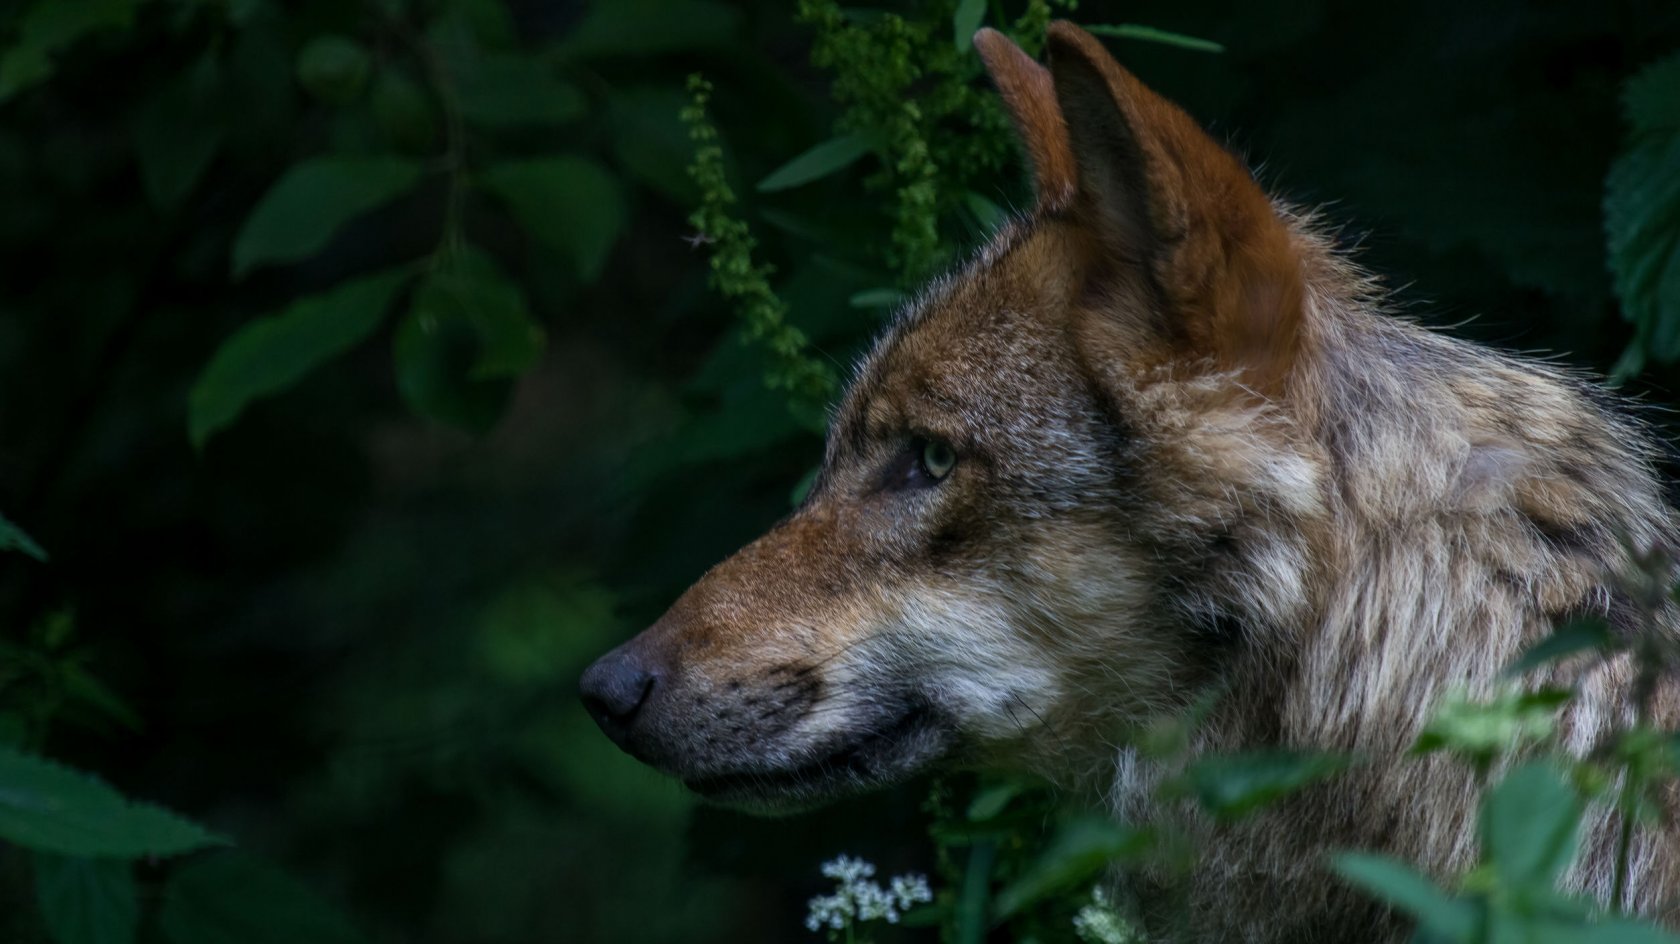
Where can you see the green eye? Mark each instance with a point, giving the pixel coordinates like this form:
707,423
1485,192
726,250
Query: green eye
938,459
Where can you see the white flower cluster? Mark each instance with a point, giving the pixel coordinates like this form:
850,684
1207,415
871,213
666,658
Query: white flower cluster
1100,923
857,898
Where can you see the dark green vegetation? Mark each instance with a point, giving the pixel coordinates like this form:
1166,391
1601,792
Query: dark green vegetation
360,380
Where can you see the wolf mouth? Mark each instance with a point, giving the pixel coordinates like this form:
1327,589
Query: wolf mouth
875,758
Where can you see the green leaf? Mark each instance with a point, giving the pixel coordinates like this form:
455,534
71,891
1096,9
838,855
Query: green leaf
1530,827
651,28
1232,785
570,204
1642,211
876,298
829,157
12,538
1573,637
234,899
307,205
271,354
1395,883
966,21
992,800
87,901
334,68
988,214
1081,848
1152,35
650,140
402,110
47,807
173,138
509,89
48,28
466,335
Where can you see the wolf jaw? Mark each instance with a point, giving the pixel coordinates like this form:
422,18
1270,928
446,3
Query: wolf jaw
1190,449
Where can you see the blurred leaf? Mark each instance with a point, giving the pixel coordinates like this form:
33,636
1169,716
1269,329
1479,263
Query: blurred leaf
511,89
1642,210
270,354
47,807
87,901
571,204
49,27
234,899
86,689
1406,890
1483,731
173,137
651,28
992,800
802,488
12,538
649,139
1530,826
986,213
1232,785
1152,35
970,14
877,298
334,68
546,632
1080,848
467,333
402,110
831,156
1573,637
307,205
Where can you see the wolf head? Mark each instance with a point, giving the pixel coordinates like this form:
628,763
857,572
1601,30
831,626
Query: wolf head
1033,491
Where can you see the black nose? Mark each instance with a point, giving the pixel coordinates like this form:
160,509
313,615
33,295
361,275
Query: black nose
615,688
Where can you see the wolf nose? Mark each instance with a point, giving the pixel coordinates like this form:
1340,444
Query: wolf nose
615,688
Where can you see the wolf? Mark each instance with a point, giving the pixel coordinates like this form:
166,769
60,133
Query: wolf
1159,435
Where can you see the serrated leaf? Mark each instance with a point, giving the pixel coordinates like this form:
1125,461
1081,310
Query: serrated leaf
1398,885
967,19
570,204
829,157
1081,848
234,899
1530,826
271,354
511,89
651,28
87,901
12,538
299,214
47,807
1152,35
1642,211
1574,637
172,136
1233,785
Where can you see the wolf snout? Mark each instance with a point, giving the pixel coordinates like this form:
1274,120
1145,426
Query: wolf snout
615,688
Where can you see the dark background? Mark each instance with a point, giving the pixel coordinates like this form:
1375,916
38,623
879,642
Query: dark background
351,635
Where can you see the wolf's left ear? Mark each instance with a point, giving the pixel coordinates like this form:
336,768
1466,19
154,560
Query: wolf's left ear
1157,190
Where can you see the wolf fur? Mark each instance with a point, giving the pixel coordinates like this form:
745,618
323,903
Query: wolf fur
1191,448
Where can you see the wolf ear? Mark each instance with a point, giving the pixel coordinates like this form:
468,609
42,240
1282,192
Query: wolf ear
1157,191
1031,99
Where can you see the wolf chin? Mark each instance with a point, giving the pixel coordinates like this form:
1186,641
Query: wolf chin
1160,435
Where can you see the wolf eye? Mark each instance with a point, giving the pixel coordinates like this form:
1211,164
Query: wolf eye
937,459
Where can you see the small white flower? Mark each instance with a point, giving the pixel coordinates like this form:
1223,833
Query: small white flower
857,899
910,890
1100,923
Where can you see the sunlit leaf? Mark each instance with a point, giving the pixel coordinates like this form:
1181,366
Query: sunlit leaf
1152,35
87,901
1406,890
1530,826
48,807
829,157
1080,848
571,204
270,354
12,538
308,204
234,899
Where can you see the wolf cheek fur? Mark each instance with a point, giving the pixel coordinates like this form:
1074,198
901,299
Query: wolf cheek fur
1188,447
